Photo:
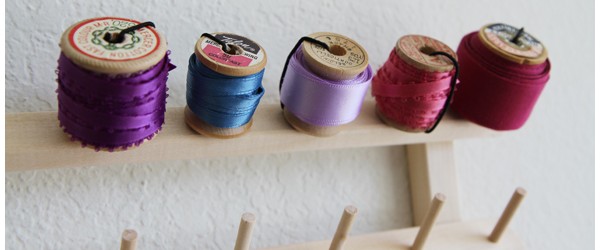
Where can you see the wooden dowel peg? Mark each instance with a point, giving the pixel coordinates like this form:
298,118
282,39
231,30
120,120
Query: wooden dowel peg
434,209
245,232
129,239
341,234
507,215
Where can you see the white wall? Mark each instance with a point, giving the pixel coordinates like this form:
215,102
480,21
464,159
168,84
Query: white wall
299,197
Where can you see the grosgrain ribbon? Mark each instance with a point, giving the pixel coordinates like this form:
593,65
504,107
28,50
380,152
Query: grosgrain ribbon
495,92
410,96
220,100
111,111
319,101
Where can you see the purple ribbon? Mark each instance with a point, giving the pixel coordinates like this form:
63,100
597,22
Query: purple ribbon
319,101
111,111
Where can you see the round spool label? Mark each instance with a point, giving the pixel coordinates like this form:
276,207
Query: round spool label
526,50
88,38
345,59
84,44
415,50
247,57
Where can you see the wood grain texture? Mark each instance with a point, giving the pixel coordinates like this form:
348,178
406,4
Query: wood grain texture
129,240
432,170
470,235
34,140
507,214
343,229
425,227
245,232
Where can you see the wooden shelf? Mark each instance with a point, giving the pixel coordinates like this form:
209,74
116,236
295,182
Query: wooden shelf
470,235
34,140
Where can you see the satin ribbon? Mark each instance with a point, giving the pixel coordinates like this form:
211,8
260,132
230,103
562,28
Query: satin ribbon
319,101
495,92
220,100
410,96
111,111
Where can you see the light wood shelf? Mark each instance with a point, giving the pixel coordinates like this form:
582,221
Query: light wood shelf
470,235
34,140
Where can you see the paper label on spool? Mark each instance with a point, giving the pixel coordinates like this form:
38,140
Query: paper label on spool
88,39
351,54
250,53
500,35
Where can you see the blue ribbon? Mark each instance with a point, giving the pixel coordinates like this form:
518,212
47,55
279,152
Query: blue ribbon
220,100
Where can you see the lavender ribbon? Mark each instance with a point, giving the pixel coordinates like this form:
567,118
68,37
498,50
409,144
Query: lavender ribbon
111,111
320,101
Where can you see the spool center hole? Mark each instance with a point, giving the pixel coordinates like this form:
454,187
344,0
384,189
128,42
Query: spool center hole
337,50
233,49
113,37
427,50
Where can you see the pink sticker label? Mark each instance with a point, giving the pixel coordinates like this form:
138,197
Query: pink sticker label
217,54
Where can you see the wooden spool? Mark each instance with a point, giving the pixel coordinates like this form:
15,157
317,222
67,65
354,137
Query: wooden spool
344,60
415,50
245,57
84,45
526,50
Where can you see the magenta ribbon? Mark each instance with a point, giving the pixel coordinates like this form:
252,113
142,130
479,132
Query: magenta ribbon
319,101
111,111
496,93
412,97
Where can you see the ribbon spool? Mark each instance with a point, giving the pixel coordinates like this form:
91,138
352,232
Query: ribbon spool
325,86
504,71
413,88
112,77
228,60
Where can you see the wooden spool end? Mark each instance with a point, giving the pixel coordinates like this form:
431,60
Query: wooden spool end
507,214
129,239
527,49
245,57
343,229
345,60
204,128
415,50
396,125
83,43
302,126
245,232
